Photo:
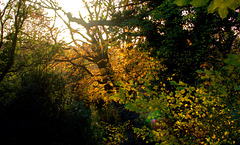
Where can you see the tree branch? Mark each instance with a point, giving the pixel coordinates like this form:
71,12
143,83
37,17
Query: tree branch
74,64
91,23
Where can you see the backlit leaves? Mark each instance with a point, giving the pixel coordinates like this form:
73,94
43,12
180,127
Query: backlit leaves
221,6
189,114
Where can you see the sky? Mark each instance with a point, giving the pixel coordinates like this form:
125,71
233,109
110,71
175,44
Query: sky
72,6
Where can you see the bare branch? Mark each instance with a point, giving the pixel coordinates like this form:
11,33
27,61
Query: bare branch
88,9
4,9
91,23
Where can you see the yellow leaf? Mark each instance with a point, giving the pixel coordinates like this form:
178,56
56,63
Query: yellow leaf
214,136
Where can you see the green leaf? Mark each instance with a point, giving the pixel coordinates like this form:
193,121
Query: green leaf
173,83
233,4
200,71
181,83
222,6
131,82
146,84
199,3
182,2
119,83
180,88
151,135
236,88
149,76
211,7
218,3
223,11
214,5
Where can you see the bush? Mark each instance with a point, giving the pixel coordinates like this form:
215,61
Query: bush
207,113
42,111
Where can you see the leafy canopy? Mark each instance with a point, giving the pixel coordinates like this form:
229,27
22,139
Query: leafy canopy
221,6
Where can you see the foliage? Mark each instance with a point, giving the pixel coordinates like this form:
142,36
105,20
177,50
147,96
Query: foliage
221,6
43,110
36,101
188,115
182,38
143,72
183,43
12,18
27,37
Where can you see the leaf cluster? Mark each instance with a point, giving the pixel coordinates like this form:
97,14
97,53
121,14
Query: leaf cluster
221,6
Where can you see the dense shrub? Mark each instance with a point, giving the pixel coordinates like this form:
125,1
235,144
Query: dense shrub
41,111
207,113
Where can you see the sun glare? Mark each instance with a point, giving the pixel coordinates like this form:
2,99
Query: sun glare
73,6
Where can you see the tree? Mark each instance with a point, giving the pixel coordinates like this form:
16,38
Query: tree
38,41
183,38
166,65
12,18
26,35
98,43
36,97
95,48
186,39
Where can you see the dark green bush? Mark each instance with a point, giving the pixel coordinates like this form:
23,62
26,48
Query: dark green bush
41,111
